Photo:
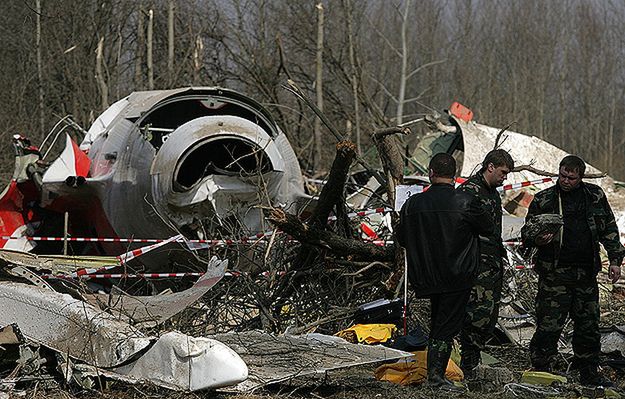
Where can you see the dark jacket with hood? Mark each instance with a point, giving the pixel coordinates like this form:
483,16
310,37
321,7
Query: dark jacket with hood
439,229
600,219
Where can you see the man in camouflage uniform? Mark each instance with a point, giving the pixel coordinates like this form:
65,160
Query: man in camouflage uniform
567,263
483,306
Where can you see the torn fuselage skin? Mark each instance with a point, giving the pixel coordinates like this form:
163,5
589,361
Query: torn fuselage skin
192,160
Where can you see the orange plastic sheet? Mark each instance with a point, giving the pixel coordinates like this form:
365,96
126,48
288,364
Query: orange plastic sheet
368,333
414,370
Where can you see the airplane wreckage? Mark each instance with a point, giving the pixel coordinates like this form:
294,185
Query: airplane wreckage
160,184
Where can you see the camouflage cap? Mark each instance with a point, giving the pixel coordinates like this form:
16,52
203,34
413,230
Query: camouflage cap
548,223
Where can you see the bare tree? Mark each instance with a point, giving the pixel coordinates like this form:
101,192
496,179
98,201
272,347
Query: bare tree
319,82
170,39
150,46
41,103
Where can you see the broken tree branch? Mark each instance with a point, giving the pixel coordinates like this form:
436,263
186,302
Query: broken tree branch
391,157
333,190
333,242
293,88
497,143
540,172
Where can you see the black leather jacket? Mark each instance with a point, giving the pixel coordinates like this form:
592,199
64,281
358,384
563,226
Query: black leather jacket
439,229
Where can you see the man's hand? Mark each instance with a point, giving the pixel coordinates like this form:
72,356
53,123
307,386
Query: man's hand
614,273
544,239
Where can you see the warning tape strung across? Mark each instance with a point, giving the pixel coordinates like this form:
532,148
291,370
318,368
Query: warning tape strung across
246,240
527,183
141,275
120,275
138,240
364,213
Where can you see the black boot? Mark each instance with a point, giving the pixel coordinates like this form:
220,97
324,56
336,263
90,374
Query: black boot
438,357
589,376
469,361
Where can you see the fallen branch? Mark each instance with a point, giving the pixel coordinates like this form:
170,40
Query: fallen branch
333,190
333,242
532,169
338,316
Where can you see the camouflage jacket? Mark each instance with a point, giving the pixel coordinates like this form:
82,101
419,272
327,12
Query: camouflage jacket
490,201
600,219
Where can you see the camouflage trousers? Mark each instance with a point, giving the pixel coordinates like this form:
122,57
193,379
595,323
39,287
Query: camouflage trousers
482,309
564,292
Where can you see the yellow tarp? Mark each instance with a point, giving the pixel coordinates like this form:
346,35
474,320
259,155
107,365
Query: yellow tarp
368,333
541,378
414,370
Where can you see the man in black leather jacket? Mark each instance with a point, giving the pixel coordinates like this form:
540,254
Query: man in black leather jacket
439,229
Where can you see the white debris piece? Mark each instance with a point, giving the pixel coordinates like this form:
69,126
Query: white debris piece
149,311
178,361
73,327
68,325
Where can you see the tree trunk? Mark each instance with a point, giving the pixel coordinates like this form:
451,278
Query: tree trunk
140,49
319,84
40,71
198,53
390,155
170,40
104,91
354,75
404,66
149,52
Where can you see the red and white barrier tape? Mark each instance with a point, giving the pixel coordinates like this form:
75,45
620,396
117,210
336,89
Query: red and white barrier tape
244,240
138,240
527,183
123,258
364,213
141,275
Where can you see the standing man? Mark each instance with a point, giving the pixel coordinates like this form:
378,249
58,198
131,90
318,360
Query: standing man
483,307
567,264
439,229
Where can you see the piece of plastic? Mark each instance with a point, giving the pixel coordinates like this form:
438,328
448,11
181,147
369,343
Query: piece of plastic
409,372
461,112
542,378
368,333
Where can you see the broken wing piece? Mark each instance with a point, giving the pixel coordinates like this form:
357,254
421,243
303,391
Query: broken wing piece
154,310
68,325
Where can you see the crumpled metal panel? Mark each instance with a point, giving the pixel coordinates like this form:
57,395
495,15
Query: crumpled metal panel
525,150
155,309
69,326
181,362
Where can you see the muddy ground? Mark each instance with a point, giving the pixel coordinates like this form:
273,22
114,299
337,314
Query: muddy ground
359,382
348,383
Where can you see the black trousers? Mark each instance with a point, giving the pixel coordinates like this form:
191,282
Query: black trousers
448,313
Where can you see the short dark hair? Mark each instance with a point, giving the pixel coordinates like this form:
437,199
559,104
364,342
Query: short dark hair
443,165
573,163
498,158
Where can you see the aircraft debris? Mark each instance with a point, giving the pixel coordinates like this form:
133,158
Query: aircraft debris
469,142
76,329
192,160
272,359
149,311
68,325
